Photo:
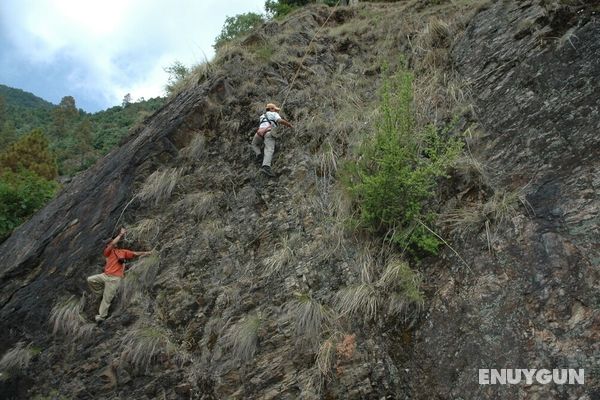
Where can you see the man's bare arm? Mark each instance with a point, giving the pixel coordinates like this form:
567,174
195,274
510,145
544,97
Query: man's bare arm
285,123
118,237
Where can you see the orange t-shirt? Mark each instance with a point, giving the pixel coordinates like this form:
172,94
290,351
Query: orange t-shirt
113,266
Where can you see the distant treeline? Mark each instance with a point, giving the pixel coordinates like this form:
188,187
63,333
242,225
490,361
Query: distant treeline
40,142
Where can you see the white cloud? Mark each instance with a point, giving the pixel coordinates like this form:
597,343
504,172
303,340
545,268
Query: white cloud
114,47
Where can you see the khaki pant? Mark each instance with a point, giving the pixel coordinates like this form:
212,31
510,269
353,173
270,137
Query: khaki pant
108,286
269,142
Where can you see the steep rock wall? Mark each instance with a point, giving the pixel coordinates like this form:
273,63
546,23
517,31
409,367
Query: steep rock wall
532,301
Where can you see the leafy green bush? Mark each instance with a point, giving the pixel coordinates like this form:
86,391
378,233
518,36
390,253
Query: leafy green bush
237,26
21,194
397,170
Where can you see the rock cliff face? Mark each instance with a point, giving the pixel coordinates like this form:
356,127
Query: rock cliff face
241,256
533,301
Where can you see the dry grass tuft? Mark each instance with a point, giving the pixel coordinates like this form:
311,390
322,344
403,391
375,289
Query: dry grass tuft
435,34
139,277
472,171
325,355
200,204
67,320
195,149
328,161
284,255
395,292
16,360
242,338
159,186
310,317
438,94
501,207
143,347
469,218
403,286
359,300
145,231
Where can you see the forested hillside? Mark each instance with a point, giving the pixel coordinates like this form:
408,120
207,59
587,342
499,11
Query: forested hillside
67,140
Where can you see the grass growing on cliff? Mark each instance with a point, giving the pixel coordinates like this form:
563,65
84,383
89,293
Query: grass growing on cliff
67,320
142,347
310,317
496,211
159,186
242,338
195,149
394,293
199,205
145,231
139,278
16,360
282,256
396,170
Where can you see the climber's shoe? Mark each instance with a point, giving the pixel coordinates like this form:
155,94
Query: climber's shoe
265,169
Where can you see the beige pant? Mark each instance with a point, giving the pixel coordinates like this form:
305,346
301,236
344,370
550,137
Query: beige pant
269,142
107,285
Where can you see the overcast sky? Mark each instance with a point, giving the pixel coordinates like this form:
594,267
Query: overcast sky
99,50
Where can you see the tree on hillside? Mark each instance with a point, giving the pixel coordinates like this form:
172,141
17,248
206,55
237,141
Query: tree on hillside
67,106
63,116
8,134
238,25
83,141
32,153
177,72
2,110
126,100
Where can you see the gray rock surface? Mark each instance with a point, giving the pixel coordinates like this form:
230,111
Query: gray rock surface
236,249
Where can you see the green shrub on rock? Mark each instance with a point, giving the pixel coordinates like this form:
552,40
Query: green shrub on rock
397,169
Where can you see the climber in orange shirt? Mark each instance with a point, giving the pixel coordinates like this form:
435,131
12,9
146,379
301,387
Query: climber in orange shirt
108,282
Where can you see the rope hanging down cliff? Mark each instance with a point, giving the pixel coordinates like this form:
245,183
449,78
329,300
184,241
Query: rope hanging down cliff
307,51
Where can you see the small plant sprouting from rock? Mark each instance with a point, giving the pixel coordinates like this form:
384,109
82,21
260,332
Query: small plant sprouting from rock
67,320
397,169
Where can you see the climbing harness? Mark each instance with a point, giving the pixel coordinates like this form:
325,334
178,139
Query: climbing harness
263,131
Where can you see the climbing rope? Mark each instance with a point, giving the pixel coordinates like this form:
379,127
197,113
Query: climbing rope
307,51
291,85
